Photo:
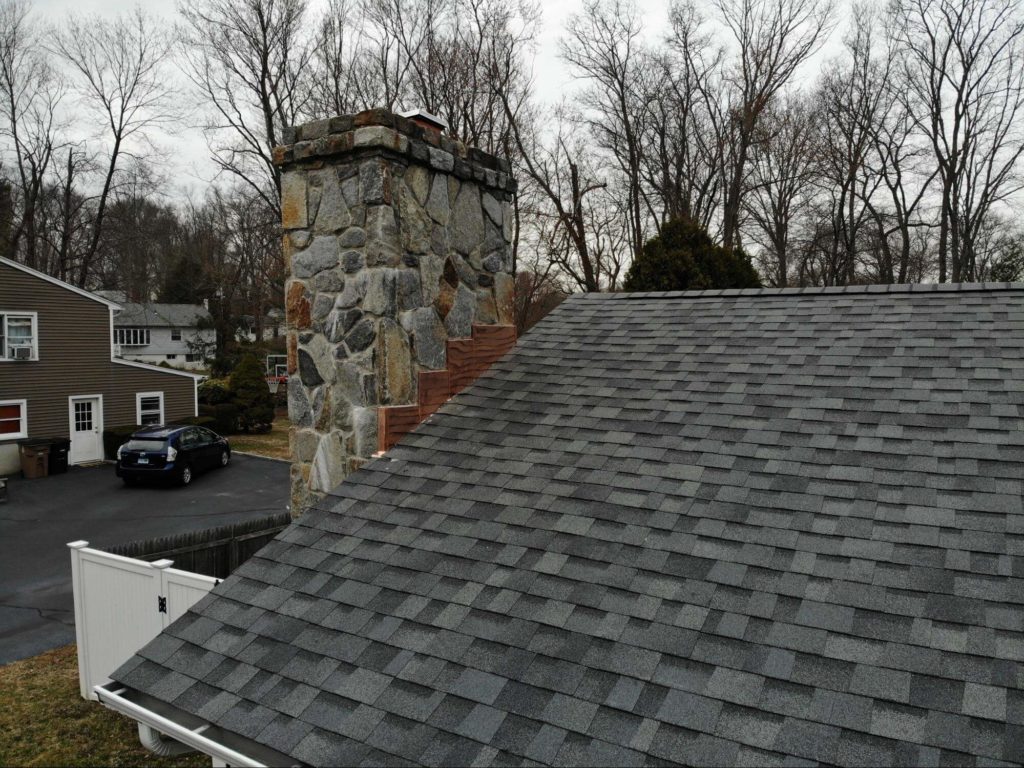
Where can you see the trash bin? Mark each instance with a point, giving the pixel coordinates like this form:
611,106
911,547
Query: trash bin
59,448
35,458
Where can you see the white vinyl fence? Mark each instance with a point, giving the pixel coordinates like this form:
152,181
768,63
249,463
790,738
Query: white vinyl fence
121,604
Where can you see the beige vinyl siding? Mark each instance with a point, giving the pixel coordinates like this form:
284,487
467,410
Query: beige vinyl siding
74,359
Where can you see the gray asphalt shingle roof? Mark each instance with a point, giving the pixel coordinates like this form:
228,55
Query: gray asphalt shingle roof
161,315
768,527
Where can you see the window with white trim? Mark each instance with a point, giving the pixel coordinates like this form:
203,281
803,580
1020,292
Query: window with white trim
19,339
149,408
131,337
13,419
175,334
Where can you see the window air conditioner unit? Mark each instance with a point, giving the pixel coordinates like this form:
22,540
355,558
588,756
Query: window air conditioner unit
22,352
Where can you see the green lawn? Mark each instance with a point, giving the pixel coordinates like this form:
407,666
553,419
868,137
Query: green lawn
44,720
273,444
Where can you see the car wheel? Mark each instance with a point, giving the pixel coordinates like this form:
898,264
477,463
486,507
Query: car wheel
225,457
186,475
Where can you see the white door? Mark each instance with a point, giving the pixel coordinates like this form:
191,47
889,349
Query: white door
86,414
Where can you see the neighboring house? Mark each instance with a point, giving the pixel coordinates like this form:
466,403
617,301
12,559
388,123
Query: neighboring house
273,327
58,376
181,335
771,527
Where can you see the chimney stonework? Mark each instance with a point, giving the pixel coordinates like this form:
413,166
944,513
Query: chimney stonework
396,239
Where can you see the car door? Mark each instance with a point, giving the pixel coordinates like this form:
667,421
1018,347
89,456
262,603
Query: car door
188,445
214,445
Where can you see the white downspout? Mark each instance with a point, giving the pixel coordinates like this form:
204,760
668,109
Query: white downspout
161,745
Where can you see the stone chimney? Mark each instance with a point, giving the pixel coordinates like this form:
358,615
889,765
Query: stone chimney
396,239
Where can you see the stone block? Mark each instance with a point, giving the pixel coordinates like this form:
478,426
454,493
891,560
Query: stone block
379,136
304,443
296,305
459,320
381,288
321,254
328,469
361,336
318,352
340,322
375,182
394,363
408,294
441,160
348,385
364,431
493,209
292,349
293,200
428,338
325,198
417,179
417,225
353,237
322,306
329,281
467,222
383,245
352,261
437,204
299,411
486,309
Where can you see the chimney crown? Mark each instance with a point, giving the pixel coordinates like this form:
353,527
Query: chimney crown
423,118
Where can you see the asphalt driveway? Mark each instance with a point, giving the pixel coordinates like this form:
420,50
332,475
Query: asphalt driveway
41,516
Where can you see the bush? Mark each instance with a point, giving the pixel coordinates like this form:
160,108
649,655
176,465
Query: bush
249,391
201,421
214,392
684,258
226,418
115,437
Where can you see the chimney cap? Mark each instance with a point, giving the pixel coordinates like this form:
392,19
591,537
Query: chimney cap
424,118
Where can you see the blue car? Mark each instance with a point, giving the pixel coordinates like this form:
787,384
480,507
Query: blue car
172,453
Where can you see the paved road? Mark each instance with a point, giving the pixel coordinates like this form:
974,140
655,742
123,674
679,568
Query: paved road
41,516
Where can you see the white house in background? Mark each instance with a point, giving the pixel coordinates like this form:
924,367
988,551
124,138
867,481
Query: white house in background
181,335
273,326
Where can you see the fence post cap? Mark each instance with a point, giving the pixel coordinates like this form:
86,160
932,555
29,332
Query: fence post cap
78,544
162,563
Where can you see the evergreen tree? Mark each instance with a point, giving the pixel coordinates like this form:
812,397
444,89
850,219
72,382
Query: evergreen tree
684,258
250,393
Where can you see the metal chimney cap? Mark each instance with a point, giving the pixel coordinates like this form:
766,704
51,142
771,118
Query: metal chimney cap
425,119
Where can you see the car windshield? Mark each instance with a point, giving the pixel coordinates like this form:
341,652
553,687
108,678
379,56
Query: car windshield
145,445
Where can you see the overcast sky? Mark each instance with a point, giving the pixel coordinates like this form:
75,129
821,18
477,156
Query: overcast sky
190,169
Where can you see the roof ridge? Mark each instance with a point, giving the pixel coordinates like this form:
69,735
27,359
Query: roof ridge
894,288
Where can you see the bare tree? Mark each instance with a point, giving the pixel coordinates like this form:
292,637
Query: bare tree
962,68
31,94
773,39
603,46
783,169
334,85
684,142
249,59
120,76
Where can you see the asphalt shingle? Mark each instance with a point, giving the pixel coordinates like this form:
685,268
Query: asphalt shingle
770,527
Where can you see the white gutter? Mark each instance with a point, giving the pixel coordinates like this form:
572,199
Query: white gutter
194,738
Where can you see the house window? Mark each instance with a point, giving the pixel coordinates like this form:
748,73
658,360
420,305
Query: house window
149,408
175,334
13,420
172,357
131,337
18,336
191,358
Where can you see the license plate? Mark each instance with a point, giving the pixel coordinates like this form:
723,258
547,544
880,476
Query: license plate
143,460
